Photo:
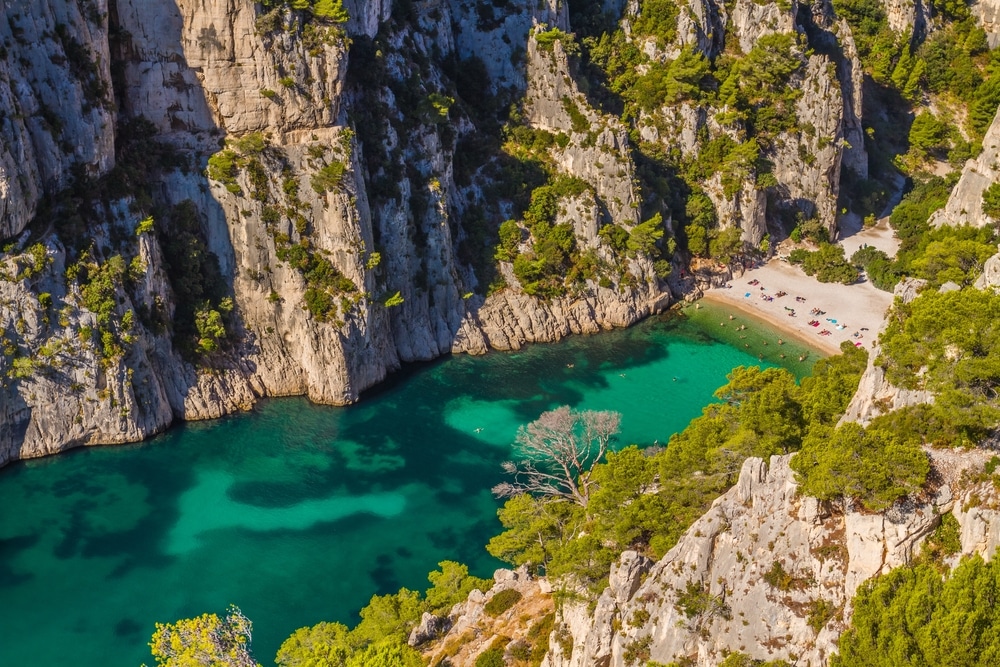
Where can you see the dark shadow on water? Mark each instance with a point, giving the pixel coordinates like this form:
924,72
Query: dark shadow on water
130,629
276,494
384,574
10,547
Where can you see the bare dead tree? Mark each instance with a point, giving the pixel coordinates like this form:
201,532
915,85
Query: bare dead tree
559,451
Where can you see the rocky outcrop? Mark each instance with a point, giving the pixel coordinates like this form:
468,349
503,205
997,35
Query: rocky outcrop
876,395
906,16
965,204
991,274
752,20
850,74
510,319
765,571
806,160
470,627
496,34
987,13
598,148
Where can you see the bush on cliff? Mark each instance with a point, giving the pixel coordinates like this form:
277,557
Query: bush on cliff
917,616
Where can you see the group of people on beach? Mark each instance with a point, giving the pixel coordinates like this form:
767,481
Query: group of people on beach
816,312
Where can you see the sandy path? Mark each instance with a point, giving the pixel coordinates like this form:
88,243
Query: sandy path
861,307
880,236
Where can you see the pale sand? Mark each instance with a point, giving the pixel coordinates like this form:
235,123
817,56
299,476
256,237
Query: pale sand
880,236
857,306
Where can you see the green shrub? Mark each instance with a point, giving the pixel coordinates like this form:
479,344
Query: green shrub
502,601
328,177
223,167
991,201
878,266
435,107
492,657
821,611
874,466
145,226
331,10
510,238
929,618
546,39
777,577
578,120
827,264
658,18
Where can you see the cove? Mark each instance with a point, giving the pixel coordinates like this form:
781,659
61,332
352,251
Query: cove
299,513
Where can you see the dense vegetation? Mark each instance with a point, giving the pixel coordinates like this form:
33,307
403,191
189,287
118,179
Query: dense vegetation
918,615
827,264
946,343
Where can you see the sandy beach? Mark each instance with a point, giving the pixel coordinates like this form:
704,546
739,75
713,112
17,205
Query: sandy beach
849,309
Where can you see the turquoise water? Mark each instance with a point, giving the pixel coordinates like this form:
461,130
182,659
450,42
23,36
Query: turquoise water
299,513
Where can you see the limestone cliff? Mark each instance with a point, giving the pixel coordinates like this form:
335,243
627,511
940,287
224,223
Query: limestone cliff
56,107
987,12
805,161
765,571
311,163
965,204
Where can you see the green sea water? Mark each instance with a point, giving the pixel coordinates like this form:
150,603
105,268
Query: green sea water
299,513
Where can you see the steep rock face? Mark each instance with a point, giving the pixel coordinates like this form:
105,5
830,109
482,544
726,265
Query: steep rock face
749,573
56,111
298,195
58,389
495,33
808,159
965,204
987,12
807,162
851,77
906,16
598,152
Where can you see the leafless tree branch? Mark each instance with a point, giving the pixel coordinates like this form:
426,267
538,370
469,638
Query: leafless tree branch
559,452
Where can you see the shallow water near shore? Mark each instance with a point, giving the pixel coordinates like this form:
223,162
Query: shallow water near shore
299,513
